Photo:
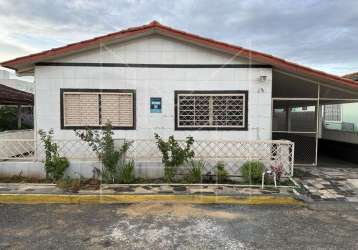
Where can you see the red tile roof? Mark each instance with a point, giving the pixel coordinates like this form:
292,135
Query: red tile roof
156,26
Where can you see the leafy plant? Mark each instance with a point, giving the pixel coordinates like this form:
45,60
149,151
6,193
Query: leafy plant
126,174
278,170
69,185
220,172
173,155
103,144
195,171
55,165
252,171
7,118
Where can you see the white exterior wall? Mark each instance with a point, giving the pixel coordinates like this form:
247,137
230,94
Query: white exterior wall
155,82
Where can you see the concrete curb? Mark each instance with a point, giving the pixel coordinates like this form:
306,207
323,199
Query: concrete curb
127,199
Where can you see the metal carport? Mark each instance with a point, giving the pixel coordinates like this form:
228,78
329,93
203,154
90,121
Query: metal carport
297,102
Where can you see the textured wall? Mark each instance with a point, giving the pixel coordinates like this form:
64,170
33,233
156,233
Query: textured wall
156,82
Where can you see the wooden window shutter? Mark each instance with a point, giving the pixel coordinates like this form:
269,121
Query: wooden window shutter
72,108
89,110
117,108
81,109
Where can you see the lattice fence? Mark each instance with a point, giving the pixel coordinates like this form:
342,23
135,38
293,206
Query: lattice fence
232,153
17,149
17,145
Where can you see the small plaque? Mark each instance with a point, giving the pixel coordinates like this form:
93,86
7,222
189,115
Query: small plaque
155,105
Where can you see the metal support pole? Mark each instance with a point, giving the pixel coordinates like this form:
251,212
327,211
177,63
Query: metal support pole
317,122
19,116
288,118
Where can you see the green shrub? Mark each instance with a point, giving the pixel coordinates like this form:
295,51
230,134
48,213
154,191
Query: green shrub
8,119
173,155
55,165
69,185
126,174
103,144
252,171
195,171
220,172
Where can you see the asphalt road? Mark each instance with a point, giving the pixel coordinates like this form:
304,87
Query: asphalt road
167,226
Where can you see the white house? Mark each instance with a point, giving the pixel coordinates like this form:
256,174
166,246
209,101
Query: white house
156,79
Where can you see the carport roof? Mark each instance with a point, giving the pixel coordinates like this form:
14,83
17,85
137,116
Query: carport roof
28,62
11,96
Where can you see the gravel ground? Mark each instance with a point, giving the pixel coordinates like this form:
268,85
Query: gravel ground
178,226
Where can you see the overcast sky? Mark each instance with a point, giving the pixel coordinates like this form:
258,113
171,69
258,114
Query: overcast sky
320,34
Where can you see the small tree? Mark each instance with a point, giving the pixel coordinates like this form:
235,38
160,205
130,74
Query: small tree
55,166
103,144
173,155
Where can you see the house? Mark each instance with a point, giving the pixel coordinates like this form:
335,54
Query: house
155,78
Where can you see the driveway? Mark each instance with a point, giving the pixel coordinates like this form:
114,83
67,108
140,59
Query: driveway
330,183
177,226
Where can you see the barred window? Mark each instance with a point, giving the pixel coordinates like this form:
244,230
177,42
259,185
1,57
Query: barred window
333,113
211,110
93,108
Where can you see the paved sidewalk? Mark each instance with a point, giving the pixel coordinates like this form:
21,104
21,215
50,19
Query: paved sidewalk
330,184
231,190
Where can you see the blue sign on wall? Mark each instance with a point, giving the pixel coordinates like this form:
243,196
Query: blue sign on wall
155,105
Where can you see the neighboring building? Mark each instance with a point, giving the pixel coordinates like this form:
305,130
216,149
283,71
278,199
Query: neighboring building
16,104
6,80
353,76
154,78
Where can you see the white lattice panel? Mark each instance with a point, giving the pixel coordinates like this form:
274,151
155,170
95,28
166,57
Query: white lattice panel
17,149
232,153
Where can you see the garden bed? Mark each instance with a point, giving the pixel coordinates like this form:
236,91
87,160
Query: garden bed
158,185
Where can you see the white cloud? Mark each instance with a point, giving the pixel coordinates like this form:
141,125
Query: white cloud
315,33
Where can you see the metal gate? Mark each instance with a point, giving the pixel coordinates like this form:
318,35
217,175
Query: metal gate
296,120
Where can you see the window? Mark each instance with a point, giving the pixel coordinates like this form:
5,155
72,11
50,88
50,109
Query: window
211,110
91,108
333,113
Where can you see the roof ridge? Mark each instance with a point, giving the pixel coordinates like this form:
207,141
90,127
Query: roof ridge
155,25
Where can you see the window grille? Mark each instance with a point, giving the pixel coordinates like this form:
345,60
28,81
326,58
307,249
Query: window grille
93,108
211,110
333,113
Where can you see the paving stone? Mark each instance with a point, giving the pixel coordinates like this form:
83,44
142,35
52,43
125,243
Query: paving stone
142,190
179,188
352,199
319,186
201,190
353,182
250,191
316,197
165,190
123,189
